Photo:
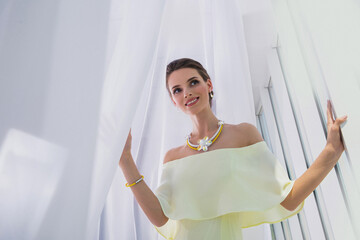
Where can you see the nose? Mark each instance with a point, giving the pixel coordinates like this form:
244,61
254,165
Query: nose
187,93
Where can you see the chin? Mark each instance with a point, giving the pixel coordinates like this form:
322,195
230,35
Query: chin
195,111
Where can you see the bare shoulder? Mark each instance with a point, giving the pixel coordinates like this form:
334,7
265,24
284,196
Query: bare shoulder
172,154
250,131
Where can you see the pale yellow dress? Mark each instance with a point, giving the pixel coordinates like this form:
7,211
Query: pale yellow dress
213,195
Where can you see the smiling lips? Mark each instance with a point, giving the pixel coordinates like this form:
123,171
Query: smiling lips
192,101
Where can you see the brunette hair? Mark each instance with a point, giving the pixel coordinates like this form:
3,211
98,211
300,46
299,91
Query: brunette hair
186,63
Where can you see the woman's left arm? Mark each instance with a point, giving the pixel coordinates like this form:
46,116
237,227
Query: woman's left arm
319,169
312,177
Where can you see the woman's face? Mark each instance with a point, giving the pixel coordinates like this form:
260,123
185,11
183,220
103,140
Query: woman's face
189,91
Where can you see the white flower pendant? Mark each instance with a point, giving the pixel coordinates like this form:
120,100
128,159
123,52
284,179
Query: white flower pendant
204,144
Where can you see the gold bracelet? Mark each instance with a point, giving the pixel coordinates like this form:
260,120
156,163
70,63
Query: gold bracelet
140,179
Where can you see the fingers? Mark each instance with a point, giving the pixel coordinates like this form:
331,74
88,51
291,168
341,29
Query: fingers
341,120
330,118
129,137
329,113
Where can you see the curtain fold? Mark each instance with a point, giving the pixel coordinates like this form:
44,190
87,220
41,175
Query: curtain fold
74,79
211,33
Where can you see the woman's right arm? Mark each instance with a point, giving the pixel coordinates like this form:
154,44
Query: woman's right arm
144,196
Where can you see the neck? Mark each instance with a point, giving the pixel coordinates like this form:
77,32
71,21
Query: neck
205,123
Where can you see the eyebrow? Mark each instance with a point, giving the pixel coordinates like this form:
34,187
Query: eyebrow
186,81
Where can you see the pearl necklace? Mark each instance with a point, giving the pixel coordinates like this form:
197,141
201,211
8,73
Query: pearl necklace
205,142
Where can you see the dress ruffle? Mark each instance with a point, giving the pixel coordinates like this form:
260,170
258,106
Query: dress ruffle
222,191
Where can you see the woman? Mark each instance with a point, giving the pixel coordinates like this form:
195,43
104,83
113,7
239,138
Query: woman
213,194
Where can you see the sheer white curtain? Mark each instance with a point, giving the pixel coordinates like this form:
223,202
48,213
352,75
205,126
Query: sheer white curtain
74,77
212,33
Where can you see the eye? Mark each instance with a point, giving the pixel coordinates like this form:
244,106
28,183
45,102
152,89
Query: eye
175,90
194,81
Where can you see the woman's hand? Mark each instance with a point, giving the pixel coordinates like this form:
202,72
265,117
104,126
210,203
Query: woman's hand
127,148
334,140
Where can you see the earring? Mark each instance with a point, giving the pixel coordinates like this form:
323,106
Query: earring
211,94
